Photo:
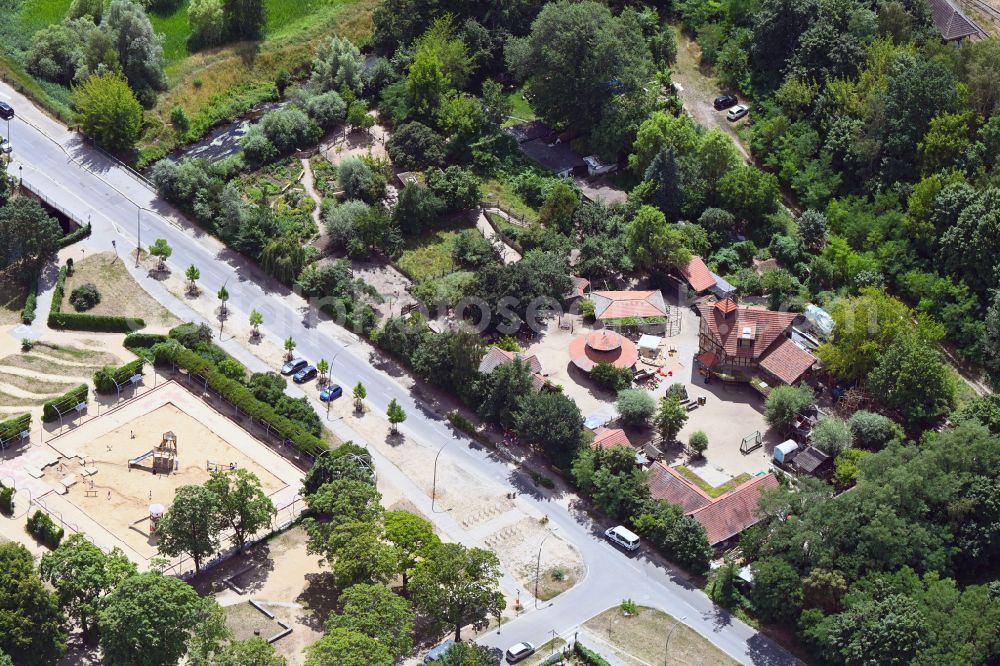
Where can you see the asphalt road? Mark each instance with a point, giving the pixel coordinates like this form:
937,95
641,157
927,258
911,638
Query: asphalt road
121,208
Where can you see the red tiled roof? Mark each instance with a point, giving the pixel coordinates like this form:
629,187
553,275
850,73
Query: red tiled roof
607,438
726,321
586,357
496,357
580,286
622,304
665,483
786,360
735,511
697,275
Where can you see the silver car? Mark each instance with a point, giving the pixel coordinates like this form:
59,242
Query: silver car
737,112
5,147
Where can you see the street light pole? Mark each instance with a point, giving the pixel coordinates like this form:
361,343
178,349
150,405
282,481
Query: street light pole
138,234
434,484
538,563
666,645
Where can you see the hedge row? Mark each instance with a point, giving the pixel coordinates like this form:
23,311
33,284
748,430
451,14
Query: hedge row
86,322
588,656
98,323
80,393
74,236
44,530
12,427
30,303
104,378
239,395
6,500
143,340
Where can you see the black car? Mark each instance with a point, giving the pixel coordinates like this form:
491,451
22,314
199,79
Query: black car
6,111
724,102
305,374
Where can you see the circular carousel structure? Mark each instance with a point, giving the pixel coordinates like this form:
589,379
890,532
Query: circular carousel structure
603,346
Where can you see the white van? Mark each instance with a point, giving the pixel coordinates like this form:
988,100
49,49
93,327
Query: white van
625,538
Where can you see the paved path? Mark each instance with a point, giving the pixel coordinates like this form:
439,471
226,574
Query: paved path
123,207
507,254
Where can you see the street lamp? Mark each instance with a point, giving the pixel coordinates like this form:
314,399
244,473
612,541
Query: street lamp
138,235
435,482
20,176
666,645
538,563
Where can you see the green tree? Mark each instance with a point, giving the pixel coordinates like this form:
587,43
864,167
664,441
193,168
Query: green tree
338,64
245,18
846,471
377,612
161,250
416,210
342,647
244,507
31,625
500,392
663,130
140,51
395,414
749,193
612,480
256,319
777,590
831,435
192,275
948,138
670,418
359,393
681,538
784,404
148,620
698,442
208,22
635,407
415,147
426,83
889,631
455,586
664,178
223,296
108,111
912,379
653,243
496,105
467,654
251,652
83,576
560,204
289,345
191,525
283,258
553,422
28,236
873,431
812,229
611,377
413,538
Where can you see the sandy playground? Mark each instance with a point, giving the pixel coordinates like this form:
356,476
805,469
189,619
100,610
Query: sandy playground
93,481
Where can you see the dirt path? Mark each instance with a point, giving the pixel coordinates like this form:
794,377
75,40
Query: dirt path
699,88
508,254
309,182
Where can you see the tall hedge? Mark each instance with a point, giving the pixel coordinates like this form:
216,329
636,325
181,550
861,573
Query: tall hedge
104,378
143,340
79,234
12,427
240,395
44,529
30,303
81,393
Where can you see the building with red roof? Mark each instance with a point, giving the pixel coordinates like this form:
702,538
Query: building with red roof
608,438
496,357
722,517
748,339
602,346
612,308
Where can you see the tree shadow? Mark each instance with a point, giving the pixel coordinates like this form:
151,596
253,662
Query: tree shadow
319,598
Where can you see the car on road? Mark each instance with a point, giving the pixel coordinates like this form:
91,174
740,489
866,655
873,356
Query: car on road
5,147
519,651
331,393
305,374
737,112
437,652
624,537
724,102
294,366
6,111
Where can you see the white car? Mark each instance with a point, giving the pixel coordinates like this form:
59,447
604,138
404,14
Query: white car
5,147
737,112
519,651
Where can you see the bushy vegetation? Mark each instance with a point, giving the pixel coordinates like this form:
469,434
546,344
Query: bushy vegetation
66,401
43,529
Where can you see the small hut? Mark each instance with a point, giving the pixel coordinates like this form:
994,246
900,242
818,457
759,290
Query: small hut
165,455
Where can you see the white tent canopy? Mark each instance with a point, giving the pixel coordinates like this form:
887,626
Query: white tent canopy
650,342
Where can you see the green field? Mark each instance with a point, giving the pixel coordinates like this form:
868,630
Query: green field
429,256
521,110
175,31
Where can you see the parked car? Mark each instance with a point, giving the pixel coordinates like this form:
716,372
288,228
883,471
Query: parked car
294,366
519,651
624,537
737,112
724,102
6,111
5,147
331,393
437,652
305,374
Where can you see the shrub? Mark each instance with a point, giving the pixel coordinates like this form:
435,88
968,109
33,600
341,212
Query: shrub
30,304
104,379
831,435
143,340
96,323
288,129
6,500
59,290
636,407
472,248
85,297
587,309
326,110
610,377
588,656
784,404
12,427
873,431
44,530
415,147
77,395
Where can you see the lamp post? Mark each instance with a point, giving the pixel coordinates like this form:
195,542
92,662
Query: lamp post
435,482
538,563
138,234
20,176
666,645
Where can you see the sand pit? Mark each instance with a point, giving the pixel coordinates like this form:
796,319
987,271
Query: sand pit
116,496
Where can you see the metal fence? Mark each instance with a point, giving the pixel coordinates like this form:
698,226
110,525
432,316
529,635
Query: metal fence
65,210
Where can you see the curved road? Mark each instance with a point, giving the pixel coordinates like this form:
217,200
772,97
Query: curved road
121,207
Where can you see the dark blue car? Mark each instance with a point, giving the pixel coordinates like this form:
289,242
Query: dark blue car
305,374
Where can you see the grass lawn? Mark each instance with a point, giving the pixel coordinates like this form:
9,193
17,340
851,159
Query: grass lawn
494,190
641,639
713,491
120,295
545,650
521,111
175,30
12,295
429,256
